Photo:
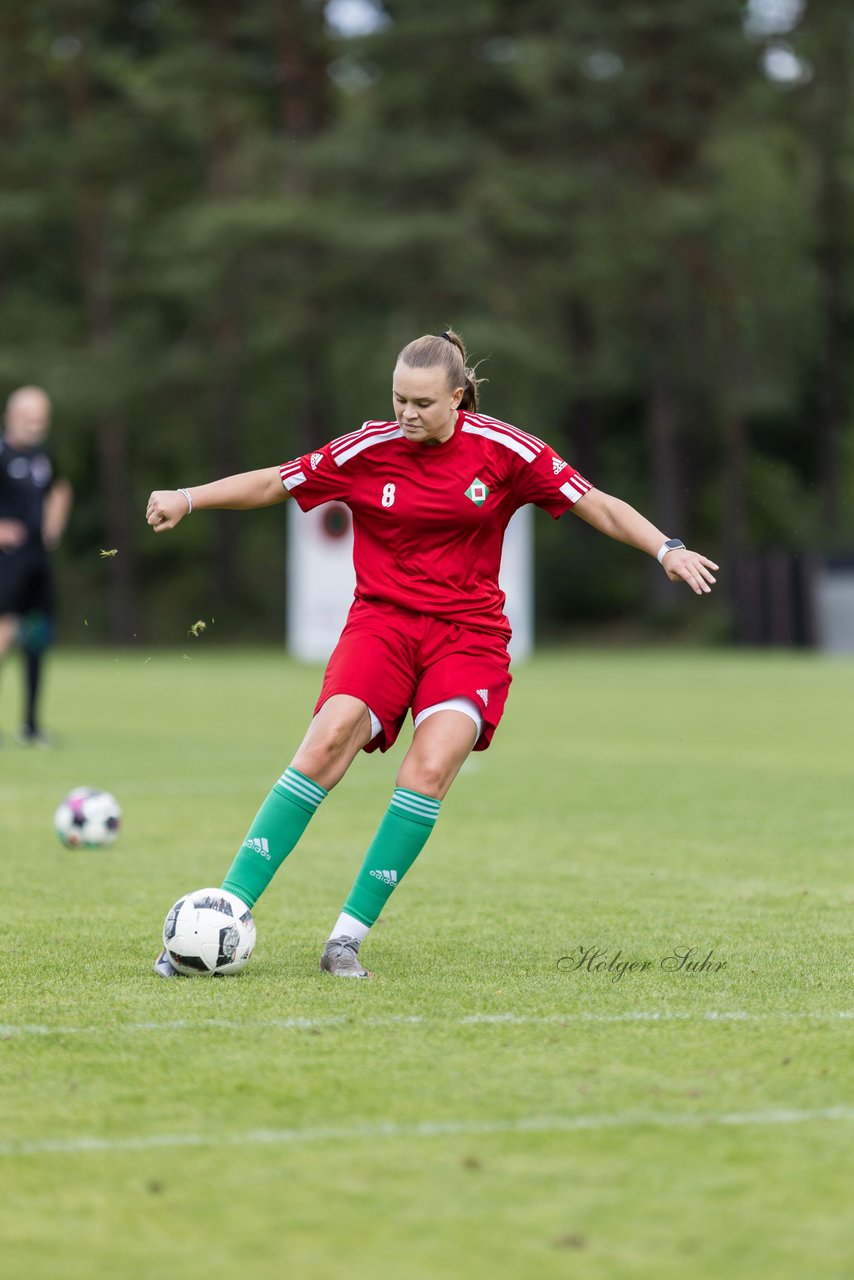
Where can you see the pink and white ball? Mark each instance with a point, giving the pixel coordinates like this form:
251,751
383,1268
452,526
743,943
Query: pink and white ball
209,932
88,819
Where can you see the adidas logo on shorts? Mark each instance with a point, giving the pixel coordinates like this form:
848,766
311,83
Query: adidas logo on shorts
316,459
557,463
483,694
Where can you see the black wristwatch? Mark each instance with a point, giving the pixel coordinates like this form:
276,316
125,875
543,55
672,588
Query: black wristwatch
672,544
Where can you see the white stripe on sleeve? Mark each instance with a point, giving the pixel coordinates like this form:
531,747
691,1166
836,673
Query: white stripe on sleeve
570,491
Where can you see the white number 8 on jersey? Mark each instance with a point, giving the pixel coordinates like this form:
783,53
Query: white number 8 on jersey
388,495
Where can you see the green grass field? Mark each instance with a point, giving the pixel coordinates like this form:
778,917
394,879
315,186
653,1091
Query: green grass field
478,1109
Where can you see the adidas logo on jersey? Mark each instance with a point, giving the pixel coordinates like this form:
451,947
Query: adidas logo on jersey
557,463
258,846
316,459
387,877
483,694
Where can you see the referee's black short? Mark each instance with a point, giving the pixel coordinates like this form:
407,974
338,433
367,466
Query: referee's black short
26,583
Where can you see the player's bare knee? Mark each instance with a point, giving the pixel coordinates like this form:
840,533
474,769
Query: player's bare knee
429,777
324,759
334,737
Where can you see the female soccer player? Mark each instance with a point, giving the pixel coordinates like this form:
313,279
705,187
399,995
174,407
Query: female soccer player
431,493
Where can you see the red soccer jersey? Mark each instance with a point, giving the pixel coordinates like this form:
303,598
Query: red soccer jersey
429,519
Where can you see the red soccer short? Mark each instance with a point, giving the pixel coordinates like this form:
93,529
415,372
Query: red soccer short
395,660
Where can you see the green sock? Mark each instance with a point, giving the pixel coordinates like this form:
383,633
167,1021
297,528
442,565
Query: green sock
401,836
277,827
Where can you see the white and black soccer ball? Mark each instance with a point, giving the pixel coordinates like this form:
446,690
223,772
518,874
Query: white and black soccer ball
88,819
210,931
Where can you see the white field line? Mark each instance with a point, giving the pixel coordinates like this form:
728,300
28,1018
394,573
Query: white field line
84,1144
350,1020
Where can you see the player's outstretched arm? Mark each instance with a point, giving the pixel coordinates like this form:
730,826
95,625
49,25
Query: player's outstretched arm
620,521
244,492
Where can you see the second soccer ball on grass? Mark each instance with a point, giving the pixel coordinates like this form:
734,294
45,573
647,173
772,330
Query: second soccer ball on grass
87,819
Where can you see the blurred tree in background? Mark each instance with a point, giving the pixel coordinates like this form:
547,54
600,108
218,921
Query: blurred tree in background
219,223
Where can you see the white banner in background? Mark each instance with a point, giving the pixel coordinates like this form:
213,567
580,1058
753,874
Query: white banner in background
321,581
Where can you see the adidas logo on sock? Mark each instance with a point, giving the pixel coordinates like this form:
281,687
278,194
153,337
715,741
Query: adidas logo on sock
258,846
483,694
387,877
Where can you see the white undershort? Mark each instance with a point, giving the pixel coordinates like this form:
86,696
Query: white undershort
466,705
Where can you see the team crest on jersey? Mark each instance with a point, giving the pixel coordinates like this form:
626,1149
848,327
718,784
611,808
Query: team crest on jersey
558,464
477,492
316,459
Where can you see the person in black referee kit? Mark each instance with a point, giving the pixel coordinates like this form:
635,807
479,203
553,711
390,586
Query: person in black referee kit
34,508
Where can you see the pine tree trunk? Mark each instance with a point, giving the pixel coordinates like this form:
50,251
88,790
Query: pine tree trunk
835,50
224,375
582,434
303,66
667,508
111,432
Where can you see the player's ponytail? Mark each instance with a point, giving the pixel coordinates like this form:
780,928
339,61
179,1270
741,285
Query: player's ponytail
447,351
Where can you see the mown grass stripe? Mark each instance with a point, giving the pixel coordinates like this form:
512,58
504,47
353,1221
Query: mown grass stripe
85,1144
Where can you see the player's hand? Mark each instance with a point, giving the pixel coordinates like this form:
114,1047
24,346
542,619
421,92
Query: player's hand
691,567
12,534
166,508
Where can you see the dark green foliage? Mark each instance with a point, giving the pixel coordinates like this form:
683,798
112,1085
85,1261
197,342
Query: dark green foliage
219,222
